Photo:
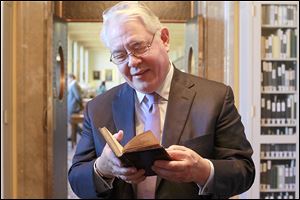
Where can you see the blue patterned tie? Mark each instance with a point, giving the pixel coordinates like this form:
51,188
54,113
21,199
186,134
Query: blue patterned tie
146,189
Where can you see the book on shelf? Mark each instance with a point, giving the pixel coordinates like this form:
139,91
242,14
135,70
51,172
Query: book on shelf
279,66
278,76
279,176
281,44
141,151
279,15
278,109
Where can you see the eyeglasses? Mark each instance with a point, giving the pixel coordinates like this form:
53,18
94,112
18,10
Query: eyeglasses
121,57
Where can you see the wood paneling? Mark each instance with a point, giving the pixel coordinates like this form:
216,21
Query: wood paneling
91,11
29,59
171,11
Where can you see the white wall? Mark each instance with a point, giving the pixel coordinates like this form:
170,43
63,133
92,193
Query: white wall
99,61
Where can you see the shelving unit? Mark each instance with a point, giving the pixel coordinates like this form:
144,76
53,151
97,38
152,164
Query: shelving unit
275,127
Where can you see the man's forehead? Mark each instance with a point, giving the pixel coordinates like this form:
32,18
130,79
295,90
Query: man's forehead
126,40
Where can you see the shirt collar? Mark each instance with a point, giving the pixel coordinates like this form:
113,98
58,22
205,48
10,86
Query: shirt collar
164,89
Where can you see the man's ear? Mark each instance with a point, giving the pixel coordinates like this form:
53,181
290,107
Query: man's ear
164,36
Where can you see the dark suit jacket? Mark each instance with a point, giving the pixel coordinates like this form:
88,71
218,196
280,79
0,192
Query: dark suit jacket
200,115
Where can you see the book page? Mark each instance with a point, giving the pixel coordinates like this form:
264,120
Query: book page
112,142
143,141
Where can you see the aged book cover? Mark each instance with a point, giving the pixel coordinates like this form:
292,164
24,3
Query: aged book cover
140,152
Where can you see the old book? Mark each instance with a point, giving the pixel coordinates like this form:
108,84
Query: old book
140,152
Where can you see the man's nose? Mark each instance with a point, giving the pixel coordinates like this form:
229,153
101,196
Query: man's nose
133,60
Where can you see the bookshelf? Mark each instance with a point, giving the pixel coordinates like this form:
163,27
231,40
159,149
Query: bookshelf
275,103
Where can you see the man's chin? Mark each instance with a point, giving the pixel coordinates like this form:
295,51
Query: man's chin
143,87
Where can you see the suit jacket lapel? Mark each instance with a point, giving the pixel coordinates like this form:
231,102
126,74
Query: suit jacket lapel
180,101
124,113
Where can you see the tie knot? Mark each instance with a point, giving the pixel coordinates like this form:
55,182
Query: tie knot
152,98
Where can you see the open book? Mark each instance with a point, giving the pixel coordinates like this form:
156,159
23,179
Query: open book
140,152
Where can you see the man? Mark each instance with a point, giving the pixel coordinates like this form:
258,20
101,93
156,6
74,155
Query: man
199,124
74,96
102,88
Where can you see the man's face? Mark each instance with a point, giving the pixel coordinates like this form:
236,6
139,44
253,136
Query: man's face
144,73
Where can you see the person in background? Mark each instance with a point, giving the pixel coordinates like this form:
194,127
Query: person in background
195,120
102,88
75,104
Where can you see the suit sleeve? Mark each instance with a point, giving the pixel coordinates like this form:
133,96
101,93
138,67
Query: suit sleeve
234,168
81,174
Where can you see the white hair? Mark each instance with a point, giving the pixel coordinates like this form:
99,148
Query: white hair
125,11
